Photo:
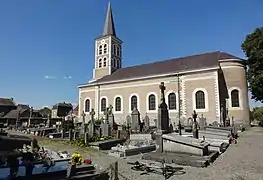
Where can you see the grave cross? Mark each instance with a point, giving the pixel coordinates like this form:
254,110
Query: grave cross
110,109
162,88
92,113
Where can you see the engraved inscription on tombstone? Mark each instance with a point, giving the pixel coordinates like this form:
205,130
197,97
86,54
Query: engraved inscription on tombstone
135,120
202,122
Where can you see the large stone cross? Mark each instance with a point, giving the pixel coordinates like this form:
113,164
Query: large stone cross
162,88
92,113
110,109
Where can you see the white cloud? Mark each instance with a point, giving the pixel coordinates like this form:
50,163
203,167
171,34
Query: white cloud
67,77
49,77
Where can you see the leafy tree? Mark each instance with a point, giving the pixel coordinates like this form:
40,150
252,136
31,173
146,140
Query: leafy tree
253,48
45,111
257,114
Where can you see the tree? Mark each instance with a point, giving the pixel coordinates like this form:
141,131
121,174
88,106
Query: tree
257,114
253,49
45,112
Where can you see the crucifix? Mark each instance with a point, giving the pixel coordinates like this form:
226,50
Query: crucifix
162,88
92,114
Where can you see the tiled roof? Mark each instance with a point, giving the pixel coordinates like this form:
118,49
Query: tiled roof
6,102
194,62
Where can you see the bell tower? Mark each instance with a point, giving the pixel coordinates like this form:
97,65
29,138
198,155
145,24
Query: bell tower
108,49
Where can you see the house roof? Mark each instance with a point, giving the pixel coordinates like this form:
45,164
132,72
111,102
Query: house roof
194,62
14,113
6,102
62,105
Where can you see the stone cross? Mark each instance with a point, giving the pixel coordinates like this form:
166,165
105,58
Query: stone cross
195,129
92,114
110,109
106,113
162,88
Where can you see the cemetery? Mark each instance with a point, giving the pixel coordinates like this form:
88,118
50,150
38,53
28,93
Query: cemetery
190,143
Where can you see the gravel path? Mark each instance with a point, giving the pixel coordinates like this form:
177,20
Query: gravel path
241,161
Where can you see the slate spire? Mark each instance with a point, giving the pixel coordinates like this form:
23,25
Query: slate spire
109,28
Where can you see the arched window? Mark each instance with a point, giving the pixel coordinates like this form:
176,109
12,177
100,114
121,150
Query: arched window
200,100
118,51
172,101
114,49
100,50
103,104
100,63
235,98
118,104
152,102
134,102
104,62
87,105
105,49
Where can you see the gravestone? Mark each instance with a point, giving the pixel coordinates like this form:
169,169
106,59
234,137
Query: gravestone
105,126
155,122
163,114
111,116
146,123
135,120
70,134
75,135
195,126
62,134
189,125
180,128
86,138
48,120
106,116
91,127
202,122
228,122
83,127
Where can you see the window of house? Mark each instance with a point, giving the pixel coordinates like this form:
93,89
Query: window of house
134,102
114,49
105,50
103,105
200,100
100,50
118,104
152,102
235,98
118,51
87,105
104,62
100,63
172,101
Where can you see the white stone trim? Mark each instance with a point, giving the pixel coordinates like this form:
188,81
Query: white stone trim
232,67
121,111
138,101
167,100
206,100
217,100
156,102
107,103
83,89
84,105
239,96
155,76
79,111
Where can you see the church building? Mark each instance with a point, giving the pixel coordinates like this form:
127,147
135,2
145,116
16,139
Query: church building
209,83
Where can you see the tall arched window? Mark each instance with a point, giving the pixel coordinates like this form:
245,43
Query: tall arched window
118,104
103,104
100,50
152,102
134,102
114,49
118,51
105,49
200,100
235,98
87,105
172,101
104,62
100,63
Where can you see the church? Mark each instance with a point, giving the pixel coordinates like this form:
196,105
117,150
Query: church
211,83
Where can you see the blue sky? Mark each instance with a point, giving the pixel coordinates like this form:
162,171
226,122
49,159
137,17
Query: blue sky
47,46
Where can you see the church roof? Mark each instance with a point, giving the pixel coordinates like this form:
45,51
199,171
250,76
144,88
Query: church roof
109,28
177,65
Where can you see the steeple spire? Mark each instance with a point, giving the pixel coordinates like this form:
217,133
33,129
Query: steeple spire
109,28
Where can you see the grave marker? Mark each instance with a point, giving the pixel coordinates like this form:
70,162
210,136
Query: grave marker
111,116
195,126
146,123
163,114
82,127
135,119
202,122
91,127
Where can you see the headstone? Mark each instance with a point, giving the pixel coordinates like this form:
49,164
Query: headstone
105,129
91,127
202,122
195,126
189,125
146,123
118,134
135,118
70,134
163,114
62,134
86,138
228,122
111,116
82,127
155,122
180,128
106,116
48,120
74,135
